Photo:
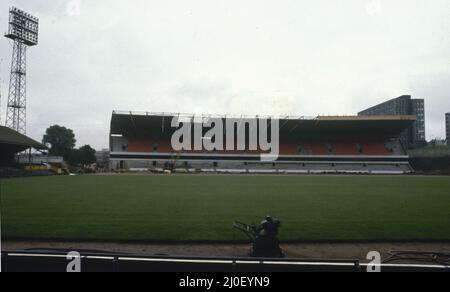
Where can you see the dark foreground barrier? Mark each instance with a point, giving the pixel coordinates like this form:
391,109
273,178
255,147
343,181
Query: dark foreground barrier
95,262
431,165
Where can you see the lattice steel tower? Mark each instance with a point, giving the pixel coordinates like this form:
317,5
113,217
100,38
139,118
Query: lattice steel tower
23,30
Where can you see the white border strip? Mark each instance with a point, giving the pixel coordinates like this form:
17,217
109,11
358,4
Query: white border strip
249,262
407,266
177,261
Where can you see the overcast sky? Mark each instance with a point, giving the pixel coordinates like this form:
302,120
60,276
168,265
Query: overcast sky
294,57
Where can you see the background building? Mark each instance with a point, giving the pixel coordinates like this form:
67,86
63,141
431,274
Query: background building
437,142
447,127
404,106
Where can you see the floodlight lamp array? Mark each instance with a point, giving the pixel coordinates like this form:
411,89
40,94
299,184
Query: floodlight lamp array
23,26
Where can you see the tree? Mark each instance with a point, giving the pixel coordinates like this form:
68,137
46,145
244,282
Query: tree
87,155
61,140
74,158
83,156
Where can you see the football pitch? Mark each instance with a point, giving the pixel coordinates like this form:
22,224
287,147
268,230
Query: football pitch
204,207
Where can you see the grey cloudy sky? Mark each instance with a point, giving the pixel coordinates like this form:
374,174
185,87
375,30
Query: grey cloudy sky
229,56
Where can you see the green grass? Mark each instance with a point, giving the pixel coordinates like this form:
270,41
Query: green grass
203,208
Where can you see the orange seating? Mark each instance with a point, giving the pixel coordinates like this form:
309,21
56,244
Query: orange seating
345,148
288,148
375,148
139,145
147,145
164,146
319,149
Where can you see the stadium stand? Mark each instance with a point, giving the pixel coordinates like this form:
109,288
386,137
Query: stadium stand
12,143
142,141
